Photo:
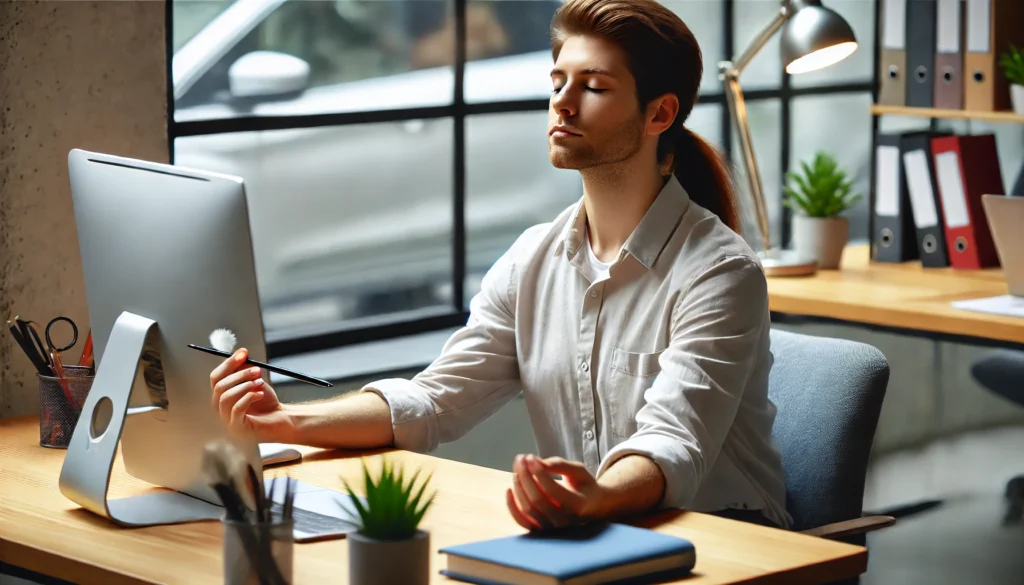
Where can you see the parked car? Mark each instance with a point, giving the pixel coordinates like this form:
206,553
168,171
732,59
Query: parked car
355,220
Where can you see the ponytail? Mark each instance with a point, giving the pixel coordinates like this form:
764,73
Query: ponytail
704,174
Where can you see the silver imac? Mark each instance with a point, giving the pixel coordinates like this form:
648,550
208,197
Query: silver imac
167,257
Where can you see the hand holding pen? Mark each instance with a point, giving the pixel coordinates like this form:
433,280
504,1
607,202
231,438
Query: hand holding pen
245,403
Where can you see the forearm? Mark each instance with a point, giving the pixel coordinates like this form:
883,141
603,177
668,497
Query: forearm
357,421
632,485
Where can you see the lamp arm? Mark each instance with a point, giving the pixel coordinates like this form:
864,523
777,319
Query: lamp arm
755,46
738,112
729,73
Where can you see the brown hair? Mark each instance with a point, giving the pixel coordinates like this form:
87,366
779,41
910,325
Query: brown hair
664,57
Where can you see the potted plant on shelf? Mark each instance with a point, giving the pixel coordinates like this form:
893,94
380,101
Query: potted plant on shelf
818,196
1012,63
389,546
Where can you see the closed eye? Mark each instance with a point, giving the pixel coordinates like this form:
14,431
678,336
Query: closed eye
590,89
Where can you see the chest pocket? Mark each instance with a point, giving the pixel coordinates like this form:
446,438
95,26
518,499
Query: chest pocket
629,375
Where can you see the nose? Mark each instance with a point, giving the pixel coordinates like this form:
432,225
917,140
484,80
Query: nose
564,103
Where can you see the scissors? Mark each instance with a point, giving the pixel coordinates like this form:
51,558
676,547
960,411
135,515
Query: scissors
53,349
48,357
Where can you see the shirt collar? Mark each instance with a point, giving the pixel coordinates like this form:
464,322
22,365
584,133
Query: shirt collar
650,236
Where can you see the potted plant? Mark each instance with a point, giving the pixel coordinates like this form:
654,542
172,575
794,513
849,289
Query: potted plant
1012,63
389,546
819,196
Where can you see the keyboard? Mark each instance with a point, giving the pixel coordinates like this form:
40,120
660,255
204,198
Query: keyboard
319,513
310,526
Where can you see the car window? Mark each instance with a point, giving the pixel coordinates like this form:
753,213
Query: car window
351,40
188,18
345,40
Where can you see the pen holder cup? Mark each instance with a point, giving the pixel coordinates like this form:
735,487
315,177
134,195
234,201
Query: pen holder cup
61,404
258,554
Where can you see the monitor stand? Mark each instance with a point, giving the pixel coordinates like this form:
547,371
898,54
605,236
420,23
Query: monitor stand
85,476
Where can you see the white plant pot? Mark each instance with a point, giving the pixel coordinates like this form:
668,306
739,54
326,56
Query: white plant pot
821,237
1017,98
389,562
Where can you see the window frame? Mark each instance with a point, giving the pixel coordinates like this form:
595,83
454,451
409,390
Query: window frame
388,327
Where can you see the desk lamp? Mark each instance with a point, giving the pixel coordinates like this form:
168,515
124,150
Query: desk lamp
813,37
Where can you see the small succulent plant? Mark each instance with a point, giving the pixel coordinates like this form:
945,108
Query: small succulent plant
394,506
1012,63
823,190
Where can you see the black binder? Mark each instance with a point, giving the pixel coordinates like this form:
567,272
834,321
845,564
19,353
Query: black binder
925,203
894,238
921,52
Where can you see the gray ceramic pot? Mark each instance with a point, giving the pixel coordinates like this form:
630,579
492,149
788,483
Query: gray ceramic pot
821,237
387,562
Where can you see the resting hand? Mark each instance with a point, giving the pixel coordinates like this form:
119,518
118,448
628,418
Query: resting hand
537,501
246,404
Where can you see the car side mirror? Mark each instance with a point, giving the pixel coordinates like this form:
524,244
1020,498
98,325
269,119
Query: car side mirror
267,76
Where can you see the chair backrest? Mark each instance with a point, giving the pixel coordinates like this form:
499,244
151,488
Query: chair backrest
828,393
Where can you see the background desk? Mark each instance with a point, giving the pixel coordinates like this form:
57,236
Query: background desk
899,297
43,531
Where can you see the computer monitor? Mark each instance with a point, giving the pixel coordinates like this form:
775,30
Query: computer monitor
173,245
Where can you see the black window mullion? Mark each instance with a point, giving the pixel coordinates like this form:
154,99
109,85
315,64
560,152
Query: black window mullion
784,154
459,178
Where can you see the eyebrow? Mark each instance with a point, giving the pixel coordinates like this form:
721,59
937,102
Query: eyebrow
587,71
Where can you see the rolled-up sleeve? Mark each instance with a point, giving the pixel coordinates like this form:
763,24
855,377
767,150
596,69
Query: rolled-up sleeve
476,374
718,321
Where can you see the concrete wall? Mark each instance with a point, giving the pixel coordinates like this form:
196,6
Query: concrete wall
89,75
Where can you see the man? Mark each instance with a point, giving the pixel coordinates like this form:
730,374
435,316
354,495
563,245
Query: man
635,324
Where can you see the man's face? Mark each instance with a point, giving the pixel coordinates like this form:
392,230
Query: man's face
593,117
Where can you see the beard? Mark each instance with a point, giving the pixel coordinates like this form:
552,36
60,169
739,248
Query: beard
597,149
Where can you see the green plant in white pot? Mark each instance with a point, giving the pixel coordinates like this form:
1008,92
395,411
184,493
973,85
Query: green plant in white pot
389,546
819,195
1012,63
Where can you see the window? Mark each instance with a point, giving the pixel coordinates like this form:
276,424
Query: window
379,195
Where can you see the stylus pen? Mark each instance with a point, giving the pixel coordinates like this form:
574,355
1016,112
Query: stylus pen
268,367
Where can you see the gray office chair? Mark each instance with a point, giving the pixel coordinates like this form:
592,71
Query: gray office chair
1002,371
828,393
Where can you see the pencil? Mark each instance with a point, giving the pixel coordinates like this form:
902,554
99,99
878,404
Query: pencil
268,367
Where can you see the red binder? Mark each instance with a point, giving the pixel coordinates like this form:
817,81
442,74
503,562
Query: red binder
967,167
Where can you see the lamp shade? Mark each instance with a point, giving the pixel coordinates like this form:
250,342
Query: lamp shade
815,37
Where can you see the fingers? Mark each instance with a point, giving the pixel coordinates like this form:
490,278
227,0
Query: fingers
232,380
231,397
228,366
240,408
568,500
517,515
545,510
574,471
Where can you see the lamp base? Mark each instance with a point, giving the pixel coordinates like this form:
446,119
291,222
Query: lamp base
778,262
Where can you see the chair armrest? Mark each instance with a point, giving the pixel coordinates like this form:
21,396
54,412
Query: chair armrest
849,527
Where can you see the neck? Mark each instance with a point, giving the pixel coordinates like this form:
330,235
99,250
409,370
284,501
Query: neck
616,197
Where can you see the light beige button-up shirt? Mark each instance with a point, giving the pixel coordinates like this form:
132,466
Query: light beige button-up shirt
667,357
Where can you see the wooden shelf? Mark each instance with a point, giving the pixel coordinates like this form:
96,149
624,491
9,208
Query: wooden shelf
1007,116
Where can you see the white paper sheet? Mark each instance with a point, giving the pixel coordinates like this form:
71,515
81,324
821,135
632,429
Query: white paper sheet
1002,305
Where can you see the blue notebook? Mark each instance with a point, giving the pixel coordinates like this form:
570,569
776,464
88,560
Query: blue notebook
604,553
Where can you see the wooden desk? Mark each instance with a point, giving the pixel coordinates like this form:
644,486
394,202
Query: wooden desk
902,296
42,531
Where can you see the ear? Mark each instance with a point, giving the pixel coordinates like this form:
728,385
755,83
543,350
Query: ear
661,113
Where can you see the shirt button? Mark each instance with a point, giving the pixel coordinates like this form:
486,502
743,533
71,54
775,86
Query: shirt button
589,435
593,294
585,366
